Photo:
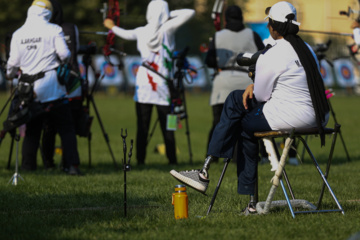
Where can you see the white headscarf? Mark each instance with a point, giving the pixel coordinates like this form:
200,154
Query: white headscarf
35,11
157,14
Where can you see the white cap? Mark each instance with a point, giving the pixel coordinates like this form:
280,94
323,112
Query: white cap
280,10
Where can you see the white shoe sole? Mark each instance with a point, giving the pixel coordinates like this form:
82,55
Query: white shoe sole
188,181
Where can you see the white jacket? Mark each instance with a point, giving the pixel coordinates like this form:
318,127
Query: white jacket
280,81
151,88
34,48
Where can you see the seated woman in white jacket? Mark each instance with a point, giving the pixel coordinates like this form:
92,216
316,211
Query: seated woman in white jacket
288,92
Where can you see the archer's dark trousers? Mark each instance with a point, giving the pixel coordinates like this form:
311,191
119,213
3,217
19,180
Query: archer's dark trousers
60,116
49,136
238,124
143,112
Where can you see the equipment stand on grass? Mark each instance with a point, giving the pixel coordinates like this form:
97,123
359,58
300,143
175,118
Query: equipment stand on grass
90,99
14,178
182,92
3,132
319,50
341,137
180,77
10,152
126,165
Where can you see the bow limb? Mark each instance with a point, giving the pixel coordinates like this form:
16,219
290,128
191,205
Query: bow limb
216,13
113,14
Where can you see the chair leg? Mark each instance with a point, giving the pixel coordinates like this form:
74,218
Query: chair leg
287,199
337,130
338,125
322,175
227,161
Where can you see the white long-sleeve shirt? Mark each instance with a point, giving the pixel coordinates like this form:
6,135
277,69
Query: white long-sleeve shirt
151,88
356,33
34,48
280,81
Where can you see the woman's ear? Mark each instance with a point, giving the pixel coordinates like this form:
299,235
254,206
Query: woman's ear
277,35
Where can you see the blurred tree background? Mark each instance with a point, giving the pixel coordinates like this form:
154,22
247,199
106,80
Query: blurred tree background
87,16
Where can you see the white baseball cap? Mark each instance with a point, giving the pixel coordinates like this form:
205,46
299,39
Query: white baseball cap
280,10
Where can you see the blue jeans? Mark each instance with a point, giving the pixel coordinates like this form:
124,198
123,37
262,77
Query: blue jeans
239,124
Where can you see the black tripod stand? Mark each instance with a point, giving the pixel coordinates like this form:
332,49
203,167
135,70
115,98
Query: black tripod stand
90,100
179,77
12,132
14,137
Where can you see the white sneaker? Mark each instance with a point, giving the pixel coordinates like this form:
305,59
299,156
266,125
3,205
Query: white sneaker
192,179
293,161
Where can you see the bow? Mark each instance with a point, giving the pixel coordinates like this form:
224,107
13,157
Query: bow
112,11
216,12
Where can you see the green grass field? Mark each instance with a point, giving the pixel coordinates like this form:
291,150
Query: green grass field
53,205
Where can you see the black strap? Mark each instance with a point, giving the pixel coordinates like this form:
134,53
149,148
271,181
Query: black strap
147,66
234,69
172,90
31,78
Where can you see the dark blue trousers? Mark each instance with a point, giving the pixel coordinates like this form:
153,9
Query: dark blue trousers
239,124
61,117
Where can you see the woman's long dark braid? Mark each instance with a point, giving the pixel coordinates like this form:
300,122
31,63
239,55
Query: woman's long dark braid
315,82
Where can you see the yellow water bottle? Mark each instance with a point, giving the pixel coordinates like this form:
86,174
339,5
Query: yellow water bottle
180,202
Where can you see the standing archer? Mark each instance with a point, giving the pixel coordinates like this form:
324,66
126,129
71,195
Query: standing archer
155,42
235,38
37,49
73,87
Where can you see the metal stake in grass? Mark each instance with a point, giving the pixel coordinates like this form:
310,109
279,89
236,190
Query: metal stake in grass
14,178
126,165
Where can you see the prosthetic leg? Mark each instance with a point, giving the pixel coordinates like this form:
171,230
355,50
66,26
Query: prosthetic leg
196,179
206,167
